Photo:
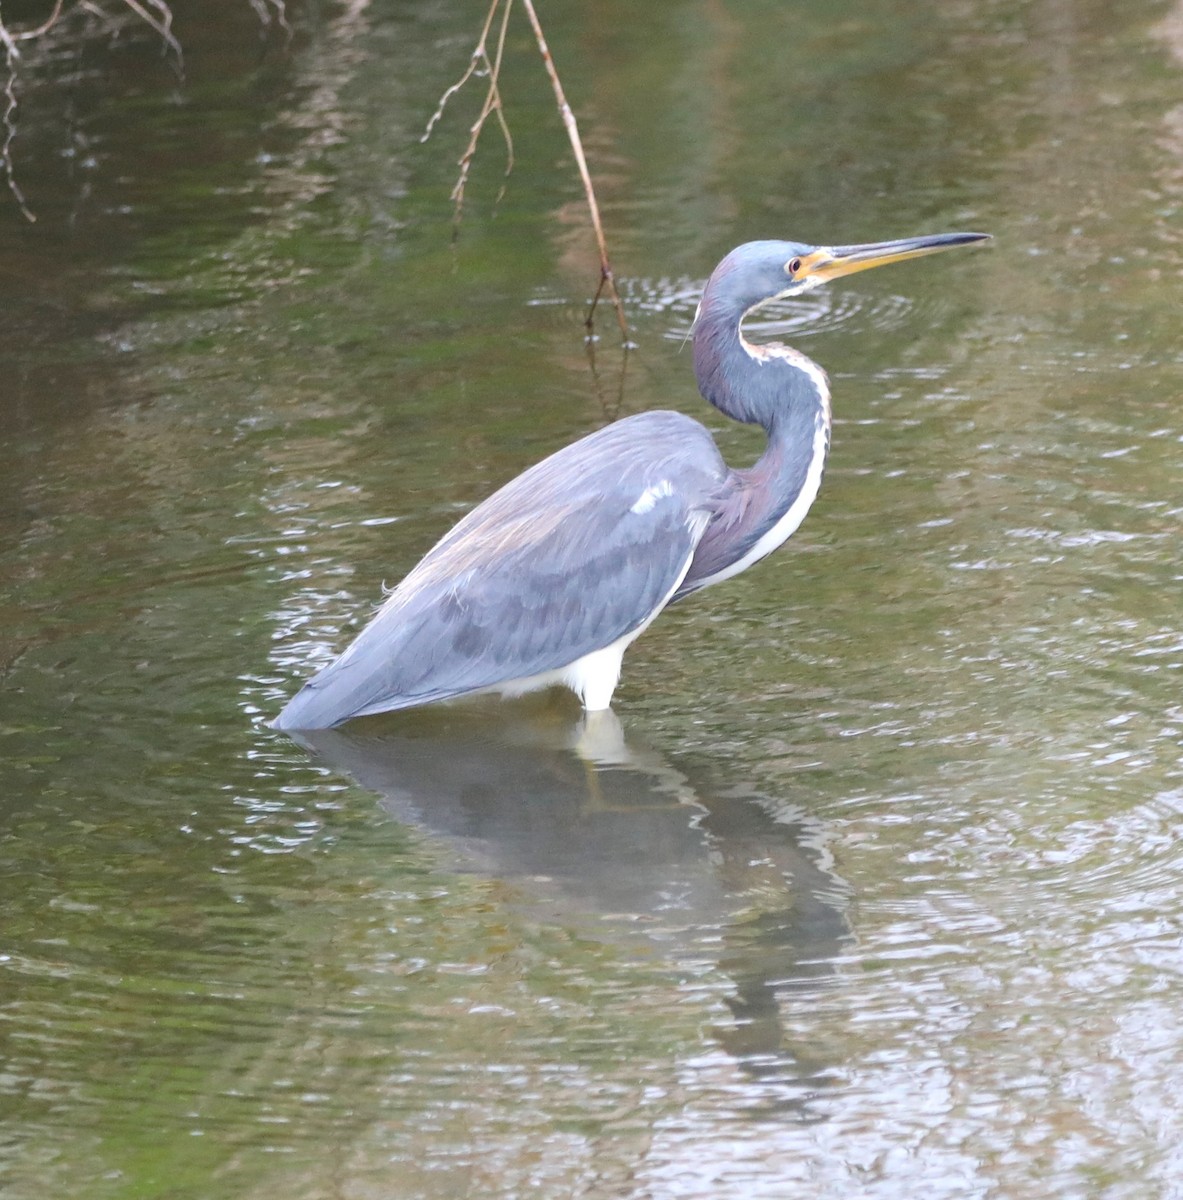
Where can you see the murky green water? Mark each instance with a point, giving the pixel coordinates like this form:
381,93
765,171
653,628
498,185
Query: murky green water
877,888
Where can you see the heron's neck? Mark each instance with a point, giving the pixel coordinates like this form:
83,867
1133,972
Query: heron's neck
786,393
759,385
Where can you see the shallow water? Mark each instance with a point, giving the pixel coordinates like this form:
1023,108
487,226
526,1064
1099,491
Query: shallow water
875,885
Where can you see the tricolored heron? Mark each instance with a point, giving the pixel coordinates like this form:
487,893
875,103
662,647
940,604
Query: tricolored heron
549,579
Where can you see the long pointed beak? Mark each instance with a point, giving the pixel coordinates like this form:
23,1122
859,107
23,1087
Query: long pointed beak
831,262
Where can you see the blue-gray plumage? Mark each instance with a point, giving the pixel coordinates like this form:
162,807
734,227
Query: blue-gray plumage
550,578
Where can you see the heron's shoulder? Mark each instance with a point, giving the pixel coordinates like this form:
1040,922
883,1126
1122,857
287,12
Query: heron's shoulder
619,459
659,423
665,419
649,441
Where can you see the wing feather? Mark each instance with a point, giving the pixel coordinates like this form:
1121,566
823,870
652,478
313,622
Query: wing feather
570,556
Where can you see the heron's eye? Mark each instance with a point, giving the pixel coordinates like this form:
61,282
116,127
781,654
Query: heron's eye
794,266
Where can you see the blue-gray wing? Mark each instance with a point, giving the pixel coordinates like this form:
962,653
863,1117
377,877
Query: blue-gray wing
569,557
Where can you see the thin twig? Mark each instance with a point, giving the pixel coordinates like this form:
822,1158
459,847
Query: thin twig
156,14
480,62
161,26
25,34
607,280
11,54
479,55
611,409
499,108
95,11
281,18
492,104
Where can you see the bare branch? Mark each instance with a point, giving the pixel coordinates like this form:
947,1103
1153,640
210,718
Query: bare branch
500,110
281,18
479,55
481,63
162,25
492,104
607,280
156,14
25,34
11,54
611,408
272,12
101,14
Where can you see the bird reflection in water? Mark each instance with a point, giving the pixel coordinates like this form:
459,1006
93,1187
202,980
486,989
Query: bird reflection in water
605,836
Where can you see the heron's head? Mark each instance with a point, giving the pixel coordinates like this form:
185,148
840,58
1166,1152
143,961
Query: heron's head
757,272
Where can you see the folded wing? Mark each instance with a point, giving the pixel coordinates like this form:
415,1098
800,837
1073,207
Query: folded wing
569,557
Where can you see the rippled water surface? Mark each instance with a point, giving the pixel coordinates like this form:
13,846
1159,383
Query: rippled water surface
872,885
